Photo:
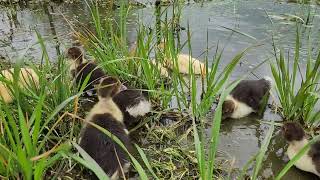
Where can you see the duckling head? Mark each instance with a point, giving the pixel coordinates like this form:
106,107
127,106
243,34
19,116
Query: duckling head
75,54
292,131
108,87
228,108
157,3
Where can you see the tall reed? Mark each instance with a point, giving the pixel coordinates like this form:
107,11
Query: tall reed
297,86
27,124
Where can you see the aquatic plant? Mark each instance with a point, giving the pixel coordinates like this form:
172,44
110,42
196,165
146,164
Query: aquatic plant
298,100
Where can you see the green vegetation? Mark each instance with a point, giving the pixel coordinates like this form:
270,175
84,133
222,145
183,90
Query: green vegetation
39,131
298,100
28,146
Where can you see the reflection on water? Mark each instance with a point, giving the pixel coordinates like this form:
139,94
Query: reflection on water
17,30
239,139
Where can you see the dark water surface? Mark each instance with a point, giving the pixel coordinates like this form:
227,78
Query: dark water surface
239,139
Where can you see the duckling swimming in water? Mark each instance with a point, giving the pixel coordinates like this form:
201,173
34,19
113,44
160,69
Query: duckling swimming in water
183,63
162,70
246,98
296,138
107,153
27,78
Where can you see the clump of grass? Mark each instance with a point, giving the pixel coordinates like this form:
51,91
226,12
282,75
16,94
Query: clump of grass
298,100
112,55
26,143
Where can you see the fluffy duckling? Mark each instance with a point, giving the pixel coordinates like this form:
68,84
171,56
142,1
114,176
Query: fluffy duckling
246,98
107,153
296,138
162,70
27,78
133,104
80,68
183,63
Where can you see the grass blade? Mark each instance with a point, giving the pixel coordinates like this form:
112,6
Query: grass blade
262,151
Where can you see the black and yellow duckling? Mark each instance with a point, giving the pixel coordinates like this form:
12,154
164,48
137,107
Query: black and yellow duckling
105,113
297,139
80,68
27,78
246,98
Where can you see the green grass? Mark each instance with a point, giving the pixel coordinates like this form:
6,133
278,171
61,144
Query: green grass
137,70
298,100
25,149
41,128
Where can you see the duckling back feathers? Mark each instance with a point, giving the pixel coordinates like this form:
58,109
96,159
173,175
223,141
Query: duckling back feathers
86,69
246,97
251,92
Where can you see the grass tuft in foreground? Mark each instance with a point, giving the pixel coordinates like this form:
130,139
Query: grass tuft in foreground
297,86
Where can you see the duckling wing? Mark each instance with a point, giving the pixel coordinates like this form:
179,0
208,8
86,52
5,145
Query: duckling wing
128,98
101,147
84,70
134,104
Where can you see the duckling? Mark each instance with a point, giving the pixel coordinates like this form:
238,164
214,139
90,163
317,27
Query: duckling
296,138
105,113
80,68
27,78
133,104
246,98
184,61
162,70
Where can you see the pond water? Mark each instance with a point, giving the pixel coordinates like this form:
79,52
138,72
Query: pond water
239,139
